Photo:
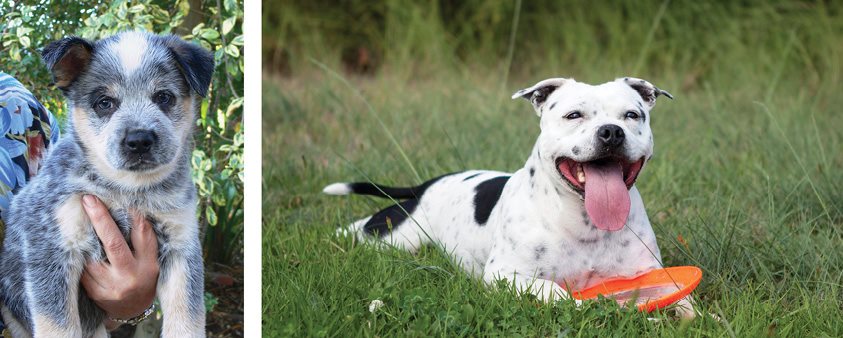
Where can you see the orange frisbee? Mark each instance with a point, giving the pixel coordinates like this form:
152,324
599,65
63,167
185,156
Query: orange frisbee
653,290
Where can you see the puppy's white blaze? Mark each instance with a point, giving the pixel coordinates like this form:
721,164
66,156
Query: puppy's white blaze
337,189
130,49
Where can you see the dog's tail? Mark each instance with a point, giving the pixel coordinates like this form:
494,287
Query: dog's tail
366,188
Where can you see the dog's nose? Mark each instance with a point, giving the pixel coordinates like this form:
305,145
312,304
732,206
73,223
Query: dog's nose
611,135
139,141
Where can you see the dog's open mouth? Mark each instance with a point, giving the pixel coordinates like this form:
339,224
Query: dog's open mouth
604,184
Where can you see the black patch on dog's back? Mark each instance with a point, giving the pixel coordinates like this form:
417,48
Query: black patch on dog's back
390,218
487,195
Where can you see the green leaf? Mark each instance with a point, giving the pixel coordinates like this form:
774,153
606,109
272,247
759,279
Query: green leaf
21,31
228,24
210,302
210,35
236,103
197,29
137,9
24,41
14,52
233,51
221,121
229,5
203,110
237,41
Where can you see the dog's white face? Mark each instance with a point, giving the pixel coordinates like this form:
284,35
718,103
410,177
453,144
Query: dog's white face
595,140
133,98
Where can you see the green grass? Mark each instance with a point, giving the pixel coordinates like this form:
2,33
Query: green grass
746,183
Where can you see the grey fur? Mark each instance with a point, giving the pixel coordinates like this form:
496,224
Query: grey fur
37,264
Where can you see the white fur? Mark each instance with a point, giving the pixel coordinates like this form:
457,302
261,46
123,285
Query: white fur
131,47
337,189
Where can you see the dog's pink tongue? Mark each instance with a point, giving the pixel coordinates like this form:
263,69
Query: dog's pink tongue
606,196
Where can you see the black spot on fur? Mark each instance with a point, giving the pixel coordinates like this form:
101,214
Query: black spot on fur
625,243
540,250
587,240
575,150
532,171
552,105
470,177
487,195
390,218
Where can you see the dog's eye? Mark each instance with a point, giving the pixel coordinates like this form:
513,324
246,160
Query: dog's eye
573,115
632,115
164,98
105,105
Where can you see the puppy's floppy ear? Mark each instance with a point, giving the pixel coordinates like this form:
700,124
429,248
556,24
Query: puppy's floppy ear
647,90
538,94
196,63
67,59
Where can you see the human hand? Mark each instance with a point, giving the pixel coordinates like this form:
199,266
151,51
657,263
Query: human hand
125,285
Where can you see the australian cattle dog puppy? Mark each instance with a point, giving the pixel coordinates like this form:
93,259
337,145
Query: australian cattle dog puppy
132,102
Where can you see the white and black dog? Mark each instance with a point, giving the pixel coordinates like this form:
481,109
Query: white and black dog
571,216
132,99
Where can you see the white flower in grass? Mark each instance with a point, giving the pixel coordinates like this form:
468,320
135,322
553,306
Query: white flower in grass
375,305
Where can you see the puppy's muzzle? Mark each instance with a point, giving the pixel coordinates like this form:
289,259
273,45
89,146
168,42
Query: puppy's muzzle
139,142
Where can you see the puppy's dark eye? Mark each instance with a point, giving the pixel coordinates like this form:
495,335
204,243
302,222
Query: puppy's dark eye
105,105
632,115
573,115
164,98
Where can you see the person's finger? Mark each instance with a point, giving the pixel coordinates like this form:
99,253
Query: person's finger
113,243
143,238
92,286
98,270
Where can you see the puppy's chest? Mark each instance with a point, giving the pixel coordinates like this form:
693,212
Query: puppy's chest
77,233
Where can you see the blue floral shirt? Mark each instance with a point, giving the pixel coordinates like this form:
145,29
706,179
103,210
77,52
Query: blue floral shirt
28,129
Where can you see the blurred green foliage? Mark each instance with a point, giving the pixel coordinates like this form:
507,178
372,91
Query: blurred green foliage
216,25
689,42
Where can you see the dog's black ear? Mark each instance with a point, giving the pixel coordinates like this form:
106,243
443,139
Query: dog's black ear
538,94
196,63
67,59
647,90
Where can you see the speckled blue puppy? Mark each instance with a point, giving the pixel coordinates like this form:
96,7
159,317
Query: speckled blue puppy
133,99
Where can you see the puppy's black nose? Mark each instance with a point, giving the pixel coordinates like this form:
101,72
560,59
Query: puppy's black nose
611,135
139,141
